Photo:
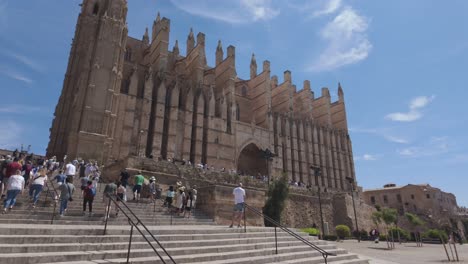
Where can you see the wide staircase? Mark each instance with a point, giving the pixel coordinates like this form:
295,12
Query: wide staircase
145,232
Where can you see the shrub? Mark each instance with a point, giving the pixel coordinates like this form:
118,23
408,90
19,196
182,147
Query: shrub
363,233
342,231
382,237
277,195
311,231
403,233
435,234
330,237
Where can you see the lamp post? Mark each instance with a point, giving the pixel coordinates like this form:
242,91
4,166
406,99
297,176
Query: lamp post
351,182
268,156
317,173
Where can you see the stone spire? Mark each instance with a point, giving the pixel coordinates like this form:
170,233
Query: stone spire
175,50
158,18
146,37
340,93
253,67
219,53
190,41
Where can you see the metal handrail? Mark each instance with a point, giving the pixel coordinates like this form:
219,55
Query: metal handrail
54,210
134,224
324,253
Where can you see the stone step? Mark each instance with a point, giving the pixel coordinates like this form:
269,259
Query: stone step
181,255
202,245
207,238
286,259
26,229
94,221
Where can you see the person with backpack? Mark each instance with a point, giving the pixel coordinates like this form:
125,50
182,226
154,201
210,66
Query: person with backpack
88,197
66,192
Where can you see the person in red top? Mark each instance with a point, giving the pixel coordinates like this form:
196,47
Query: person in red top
12,168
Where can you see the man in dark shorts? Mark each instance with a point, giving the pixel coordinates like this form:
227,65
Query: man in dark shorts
109,190
239,199
139,180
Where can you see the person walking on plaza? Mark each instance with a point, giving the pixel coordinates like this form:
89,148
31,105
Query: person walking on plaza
109,190
139,180
14,187
66,192
120,196
124,176
84,184
239,200
37,185
88,197
194,196
188,204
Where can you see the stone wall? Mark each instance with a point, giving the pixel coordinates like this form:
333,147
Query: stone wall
217,202
344,212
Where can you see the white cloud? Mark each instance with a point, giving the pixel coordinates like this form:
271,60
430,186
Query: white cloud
15,75
414,112
382,132
26,61
18,109
366,157
421,101
347,41
330,7
233,12
11,134
396,139
435,146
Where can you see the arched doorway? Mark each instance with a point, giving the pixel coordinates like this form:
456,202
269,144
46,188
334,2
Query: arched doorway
251,161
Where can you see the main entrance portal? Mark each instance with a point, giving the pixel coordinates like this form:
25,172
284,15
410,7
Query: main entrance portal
251,161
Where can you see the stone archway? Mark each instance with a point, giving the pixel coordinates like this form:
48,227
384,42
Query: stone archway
251,161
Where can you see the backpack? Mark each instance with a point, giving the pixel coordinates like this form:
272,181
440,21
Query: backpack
90,192
93,191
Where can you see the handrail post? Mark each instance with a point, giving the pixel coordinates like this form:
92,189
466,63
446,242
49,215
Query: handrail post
171,212
276,242
53,213
245,218
47,194
107,214
129,242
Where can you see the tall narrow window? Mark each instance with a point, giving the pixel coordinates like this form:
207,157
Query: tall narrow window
385,199
96,9
372,199
237,112
128,54
244,91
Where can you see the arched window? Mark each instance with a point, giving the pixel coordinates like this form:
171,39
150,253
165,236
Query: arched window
96,9
128,54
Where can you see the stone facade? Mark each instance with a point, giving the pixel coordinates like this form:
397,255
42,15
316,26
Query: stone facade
124,96
437,208
420,199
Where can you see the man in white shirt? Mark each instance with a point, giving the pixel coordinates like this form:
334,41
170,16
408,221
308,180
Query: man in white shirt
239,199
70,171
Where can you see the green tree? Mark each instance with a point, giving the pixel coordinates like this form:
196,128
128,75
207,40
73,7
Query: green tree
389,217
277,195
415,222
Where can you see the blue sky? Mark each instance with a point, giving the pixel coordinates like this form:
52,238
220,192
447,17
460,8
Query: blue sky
402,64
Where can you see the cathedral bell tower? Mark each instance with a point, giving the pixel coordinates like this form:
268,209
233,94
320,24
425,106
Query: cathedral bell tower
86,112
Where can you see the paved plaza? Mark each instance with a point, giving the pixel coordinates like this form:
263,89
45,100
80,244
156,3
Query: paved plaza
405,253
